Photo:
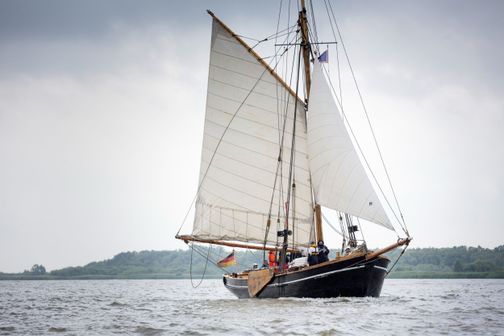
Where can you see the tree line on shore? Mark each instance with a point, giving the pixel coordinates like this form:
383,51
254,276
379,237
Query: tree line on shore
454,262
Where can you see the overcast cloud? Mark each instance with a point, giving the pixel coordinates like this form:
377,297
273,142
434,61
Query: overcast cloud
102,108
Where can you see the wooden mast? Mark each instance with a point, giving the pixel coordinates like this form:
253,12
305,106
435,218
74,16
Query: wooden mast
306,47
305,44
318,223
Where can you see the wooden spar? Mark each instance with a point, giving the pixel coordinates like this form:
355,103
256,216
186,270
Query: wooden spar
306,47
318,223
256,55
379,252
306,57
187,238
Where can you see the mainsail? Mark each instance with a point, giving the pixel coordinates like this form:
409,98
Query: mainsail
339,179
244,130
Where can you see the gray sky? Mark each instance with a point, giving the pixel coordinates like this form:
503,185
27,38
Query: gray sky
102,107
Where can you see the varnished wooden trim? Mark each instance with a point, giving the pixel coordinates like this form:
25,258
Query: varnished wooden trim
318,223
389,248
306,47
187,238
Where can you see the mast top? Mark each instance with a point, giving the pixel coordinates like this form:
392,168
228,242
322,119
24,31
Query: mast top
303,24
256,56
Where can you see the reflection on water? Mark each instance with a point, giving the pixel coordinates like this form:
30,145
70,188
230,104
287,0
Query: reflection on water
167,307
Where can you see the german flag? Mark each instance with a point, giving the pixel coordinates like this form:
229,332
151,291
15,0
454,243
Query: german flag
230,260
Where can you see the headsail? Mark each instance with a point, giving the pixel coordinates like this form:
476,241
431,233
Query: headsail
243,128
338,176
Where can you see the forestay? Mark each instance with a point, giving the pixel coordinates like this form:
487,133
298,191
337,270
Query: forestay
236,190
339,179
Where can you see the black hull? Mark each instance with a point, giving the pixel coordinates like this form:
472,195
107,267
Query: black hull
353,277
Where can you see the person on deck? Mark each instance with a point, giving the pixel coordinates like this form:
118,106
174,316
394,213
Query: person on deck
352,245
312,255
323,252
272,259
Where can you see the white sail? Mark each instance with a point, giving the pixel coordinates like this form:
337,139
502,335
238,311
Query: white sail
338,176
243,131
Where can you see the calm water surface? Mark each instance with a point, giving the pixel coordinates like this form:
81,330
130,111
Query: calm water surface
173,307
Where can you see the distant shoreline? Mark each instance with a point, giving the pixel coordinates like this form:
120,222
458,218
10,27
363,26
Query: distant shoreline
458,262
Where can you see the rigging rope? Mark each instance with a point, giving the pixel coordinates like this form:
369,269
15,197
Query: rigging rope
267,38
279,168
204,270
330,225
361,231
291,169
206,255
279,33
268,222
400,255
312,14
339,75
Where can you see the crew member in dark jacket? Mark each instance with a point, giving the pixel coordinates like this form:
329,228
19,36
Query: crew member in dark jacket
323,252
313,255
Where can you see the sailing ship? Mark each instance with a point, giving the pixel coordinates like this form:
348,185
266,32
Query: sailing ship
270,161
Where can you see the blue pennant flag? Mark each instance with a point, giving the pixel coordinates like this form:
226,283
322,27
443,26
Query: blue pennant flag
324,58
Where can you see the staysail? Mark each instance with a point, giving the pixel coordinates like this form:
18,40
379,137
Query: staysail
338,176
245,113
